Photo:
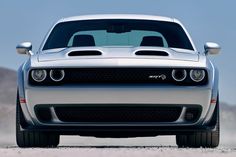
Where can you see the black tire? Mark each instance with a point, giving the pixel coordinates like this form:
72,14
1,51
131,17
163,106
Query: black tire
33,138
205,139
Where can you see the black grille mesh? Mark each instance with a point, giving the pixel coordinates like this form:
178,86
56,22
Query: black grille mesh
43,113
115,75
118,114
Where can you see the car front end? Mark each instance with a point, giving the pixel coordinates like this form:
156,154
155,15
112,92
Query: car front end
118,90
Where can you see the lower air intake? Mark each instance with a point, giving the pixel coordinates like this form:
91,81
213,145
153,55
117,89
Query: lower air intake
118,114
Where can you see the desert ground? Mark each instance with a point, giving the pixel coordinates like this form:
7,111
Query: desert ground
118,152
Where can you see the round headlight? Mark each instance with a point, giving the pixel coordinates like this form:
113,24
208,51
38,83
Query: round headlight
197,75
179,74
57,75
38,75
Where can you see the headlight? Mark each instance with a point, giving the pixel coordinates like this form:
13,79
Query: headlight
179,74
197,75
38,75
57,75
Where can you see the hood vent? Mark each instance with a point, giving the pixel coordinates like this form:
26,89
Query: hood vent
151,53
85,53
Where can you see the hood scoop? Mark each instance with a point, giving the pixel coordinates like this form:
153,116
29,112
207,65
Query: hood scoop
119,54
151,53
85,53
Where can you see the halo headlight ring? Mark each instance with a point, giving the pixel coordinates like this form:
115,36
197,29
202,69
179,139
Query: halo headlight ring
203,74
179,75
36,73
57,75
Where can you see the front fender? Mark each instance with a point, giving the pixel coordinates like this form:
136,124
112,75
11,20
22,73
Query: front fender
215,92
21,92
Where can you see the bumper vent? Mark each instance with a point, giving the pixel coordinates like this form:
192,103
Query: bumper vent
118,114
43,113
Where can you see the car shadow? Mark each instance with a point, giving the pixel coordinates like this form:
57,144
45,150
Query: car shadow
102,146
107,146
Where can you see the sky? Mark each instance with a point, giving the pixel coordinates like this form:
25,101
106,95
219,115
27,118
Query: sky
205,20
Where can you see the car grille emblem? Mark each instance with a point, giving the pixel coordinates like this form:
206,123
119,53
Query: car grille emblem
156,77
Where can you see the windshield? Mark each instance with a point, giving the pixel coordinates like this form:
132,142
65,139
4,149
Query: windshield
118,33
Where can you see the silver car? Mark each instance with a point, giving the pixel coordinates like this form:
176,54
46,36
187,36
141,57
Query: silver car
117,76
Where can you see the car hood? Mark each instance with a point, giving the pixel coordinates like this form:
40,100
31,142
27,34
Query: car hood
63,54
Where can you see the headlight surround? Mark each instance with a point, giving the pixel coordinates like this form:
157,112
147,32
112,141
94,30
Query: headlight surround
197,75
39,75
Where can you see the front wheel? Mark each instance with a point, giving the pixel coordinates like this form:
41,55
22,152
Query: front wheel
33,138
206,139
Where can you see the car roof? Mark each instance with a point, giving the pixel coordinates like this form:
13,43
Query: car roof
118,16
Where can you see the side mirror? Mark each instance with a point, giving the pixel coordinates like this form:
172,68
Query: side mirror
24,48
212,48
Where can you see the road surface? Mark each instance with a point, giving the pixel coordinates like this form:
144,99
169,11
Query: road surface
162,146
113,151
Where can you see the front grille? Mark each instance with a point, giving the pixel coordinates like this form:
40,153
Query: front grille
117,76
118,114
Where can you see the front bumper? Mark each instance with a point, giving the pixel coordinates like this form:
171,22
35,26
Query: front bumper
145,95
